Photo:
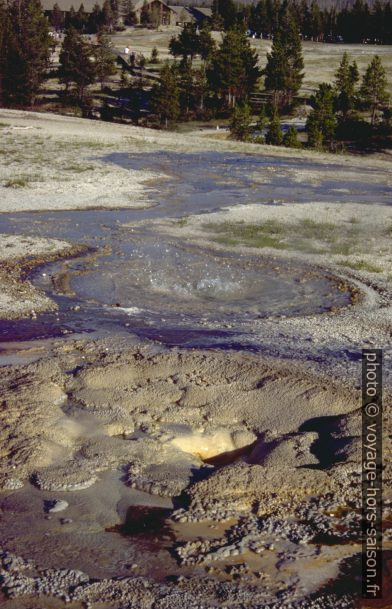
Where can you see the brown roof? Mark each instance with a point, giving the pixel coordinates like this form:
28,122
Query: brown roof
206,12
183,12
140,3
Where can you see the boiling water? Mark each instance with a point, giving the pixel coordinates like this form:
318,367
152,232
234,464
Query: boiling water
159,287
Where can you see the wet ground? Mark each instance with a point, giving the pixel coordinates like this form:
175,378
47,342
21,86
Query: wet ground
160,288
135,281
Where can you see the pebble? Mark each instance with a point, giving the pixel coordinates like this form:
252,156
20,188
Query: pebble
11,484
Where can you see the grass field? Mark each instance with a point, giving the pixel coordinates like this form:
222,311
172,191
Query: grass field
321,60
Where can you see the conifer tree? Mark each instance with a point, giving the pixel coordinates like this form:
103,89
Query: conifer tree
206,44
128,12
81,19
70,19
274,135
261,125
234,70
346,78
25,53
186,45
154,56
283,72
240,122
290,139
57,18
77,64
186,87
165,98
191,42
200,86
224,13
95,19
5,28
104,59
108,17
262,120
374,87
322,122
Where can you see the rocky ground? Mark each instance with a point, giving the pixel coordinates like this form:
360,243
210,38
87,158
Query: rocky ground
136,476
265,485
18,254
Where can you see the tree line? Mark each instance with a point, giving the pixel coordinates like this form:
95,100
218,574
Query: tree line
356,24
25,48
224,75
219,84
350,108
105,16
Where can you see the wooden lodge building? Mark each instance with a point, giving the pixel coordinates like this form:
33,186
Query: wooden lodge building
168,15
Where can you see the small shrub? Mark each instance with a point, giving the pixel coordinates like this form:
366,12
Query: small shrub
290,139
154,56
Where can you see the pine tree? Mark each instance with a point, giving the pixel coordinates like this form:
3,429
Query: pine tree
234,70
200,86
108,17
224,13
124,79
5,31
295,62
316,22
374,87
57,18
191,42
95,19
187,98
206,44
26,44
217,20
165,97
346,78
186,45
104,59
240,122
315,137
70,19
290,139
322,120
261,125
274,134
81,19
115,11
262,120
128,12
76,63
283,72
276,69
154,56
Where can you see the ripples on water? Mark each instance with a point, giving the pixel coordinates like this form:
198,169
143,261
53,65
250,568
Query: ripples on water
151,282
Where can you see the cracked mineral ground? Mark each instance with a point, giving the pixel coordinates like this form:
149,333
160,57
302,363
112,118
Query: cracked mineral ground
181,325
